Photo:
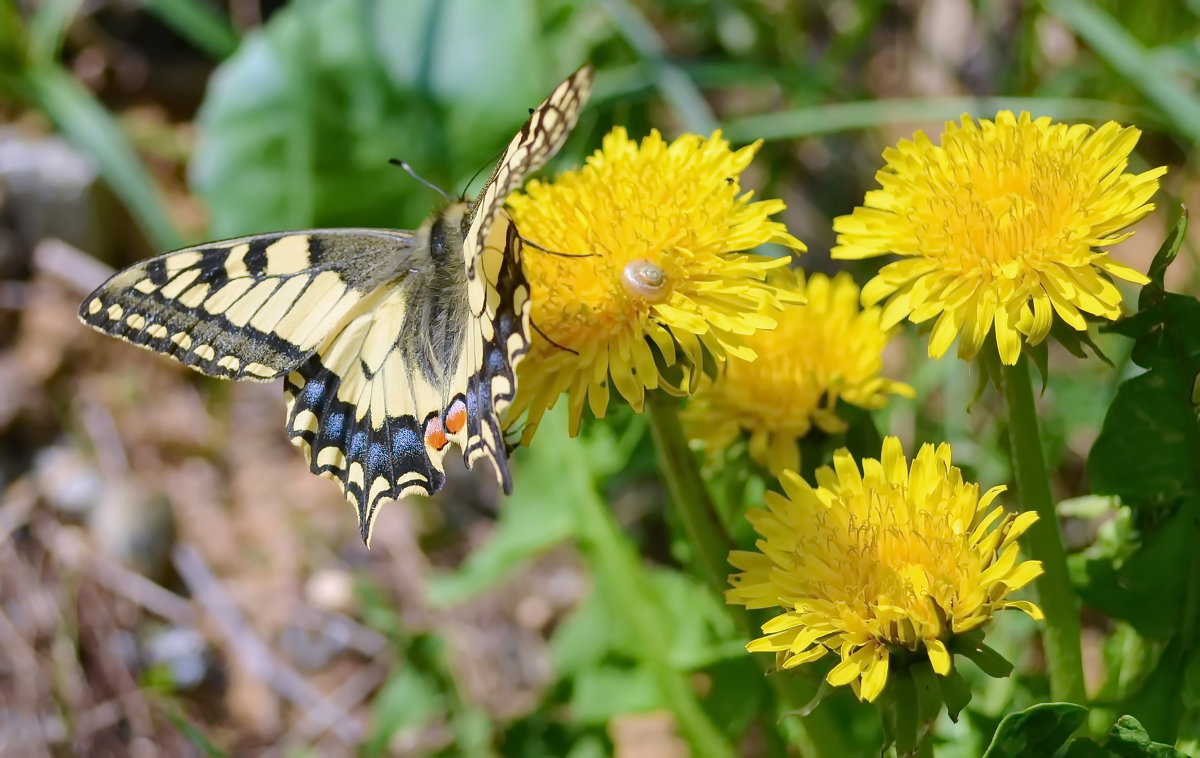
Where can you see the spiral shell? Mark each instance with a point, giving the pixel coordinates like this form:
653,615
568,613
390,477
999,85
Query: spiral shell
646,280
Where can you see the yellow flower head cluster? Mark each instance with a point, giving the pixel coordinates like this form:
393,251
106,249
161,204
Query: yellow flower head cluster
825,350
999,226
658,278
884,558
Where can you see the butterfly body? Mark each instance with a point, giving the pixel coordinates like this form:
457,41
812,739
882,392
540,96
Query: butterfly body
392,343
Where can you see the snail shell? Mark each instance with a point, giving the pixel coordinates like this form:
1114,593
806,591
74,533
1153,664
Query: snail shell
646,280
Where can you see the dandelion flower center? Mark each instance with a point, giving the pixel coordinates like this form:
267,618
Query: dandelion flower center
999,226
880,558
826,350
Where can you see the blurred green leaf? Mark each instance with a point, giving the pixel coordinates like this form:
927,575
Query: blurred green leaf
588,747
602,692
298,125
584,638
618,575
408,699
841,117
47,27
1038,730
672,82
532,521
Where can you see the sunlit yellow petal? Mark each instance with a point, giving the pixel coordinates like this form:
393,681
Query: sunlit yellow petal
883,555
651,240
828,349
1004,218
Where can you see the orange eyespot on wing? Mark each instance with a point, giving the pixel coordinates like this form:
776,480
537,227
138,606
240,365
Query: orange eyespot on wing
456,417
435,433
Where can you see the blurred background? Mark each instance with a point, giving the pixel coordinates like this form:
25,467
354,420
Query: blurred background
174,582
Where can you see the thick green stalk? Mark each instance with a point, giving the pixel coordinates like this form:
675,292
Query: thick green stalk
815,734
1043,540
690,501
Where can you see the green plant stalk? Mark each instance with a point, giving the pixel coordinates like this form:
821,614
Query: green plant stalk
608,550
815,734
690,501
1043,540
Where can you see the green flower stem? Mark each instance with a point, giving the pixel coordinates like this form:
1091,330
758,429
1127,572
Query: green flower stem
690,501
815,734
608,550
1044,541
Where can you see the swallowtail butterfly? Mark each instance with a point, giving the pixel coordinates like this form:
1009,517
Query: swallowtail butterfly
393,343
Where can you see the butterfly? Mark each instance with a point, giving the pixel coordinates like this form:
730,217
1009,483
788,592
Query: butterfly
393,343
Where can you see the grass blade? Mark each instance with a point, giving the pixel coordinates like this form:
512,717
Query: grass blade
840,117
1139,66
90,127
197,23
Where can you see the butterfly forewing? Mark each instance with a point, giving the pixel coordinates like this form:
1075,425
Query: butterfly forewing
247,308
497,290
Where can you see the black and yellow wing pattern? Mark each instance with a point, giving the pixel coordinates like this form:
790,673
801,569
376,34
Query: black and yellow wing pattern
393,343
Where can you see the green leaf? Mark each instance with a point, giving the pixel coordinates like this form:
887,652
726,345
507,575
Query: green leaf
193,735
989,661
298,125
606,691
47,27
1165,256
198,23
408,699
1148,453
586,637
1127,739
955,691
847,116
1038,730
531,522
1142,589
1112,42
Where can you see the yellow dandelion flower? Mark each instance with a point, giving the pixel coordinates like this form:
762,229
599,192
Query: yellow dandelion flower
999,227
823,351
884,559
663,226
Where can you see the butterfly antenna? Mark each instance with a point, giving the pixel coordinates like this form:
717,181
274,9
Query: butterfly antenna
536,246
405,165
490,162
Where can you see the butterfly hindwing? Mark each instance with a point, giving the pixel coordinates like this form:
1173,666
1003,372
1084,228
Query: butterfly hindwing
247,308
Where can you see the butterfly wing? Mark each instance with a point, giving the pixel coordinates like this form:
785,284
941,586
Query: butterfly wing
248,308
498,334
